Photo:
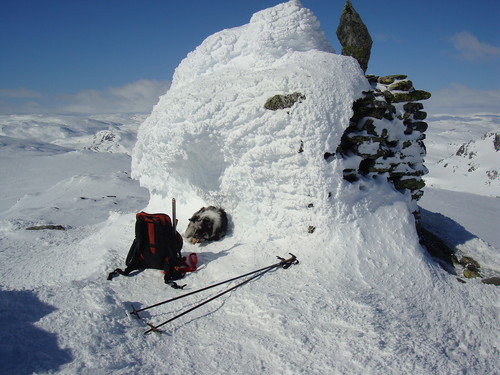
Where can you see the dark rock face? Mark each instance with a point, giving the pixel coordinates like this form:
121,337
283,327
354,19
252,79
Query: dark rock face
44,227
492,281
496,142
354,36
437,248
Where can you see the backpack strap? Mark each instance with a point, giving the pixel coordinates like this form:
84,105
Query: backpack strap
119,271
188,265
127,271
131,262
174,285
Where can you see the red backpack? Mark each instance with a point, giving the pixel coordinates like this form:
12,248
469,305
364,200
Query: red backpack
157,245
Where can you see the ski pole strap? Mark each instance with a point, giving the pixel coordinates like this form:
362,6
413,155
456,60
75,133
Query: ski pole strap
174,285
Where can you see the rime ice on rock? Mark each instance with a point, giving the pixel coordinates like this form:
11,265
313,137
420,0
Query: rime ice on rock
211,140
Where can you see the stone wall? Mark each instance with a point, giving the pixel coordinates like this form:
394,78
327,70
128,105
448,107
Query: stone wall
386,133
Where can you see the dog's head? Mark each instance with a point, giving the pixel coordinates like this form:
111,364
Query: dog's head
209,223
199,228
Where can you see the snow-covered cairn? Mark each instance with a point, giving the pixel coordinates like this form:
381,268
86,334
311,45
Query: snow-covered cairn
386,134
253,122
211,139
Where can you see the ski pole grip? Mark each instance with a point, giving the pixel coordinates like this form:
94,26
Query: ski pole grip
285,263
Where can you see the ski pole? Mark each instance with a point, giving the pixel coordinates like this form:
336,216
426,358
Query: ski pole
174,214
283,262
154,328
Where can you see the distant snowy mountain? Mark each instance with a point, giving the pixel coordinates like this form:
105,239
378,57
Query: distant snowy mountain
465,153
112,133
479,161
365,297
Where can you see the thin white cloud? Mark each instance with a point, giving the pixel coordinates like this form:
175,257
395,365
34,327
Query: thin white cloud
458,99
135,97
471,48
140,97
20,92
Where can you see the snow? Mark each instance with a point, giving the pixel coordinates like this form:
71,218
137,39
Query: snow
455,216
227,148
270,35
365,299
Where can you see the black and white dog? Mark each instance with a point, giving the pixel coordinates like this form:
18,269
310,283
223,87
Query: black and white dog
207,224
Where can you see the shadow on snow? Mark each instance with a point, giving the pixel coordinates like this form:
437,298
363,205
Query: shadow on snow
451,232
25,348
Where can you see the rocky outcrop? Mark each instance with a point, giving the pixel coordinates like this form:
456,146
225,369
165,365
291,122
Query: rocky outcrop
106,141
354,36
496,141
386,134
437,248
283,101
46,227
478,159
492,281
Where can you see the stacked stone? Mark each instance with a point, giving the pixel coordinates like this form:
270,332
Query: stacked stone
386,134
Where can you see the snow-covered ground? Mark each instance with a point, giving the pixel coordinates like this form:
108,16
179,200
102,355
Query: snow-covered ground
460,153
365,298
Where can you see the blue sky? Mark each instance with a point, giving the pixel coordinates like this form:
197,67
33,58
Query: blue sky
100,55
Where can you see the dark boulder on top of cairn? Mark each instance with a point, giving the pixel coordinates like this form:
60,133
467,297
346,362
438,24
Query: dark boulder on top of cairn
354,36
